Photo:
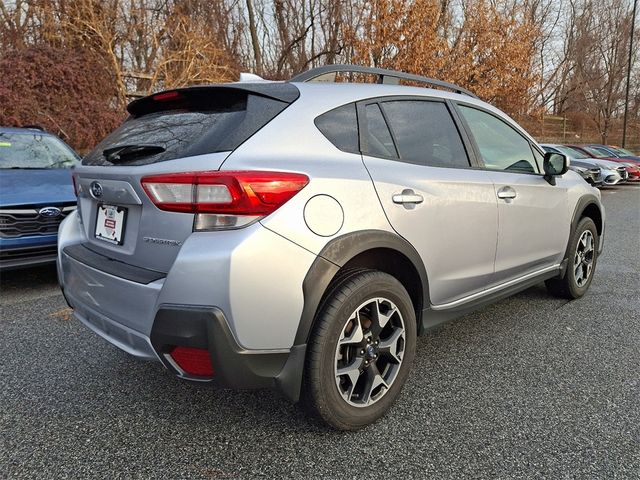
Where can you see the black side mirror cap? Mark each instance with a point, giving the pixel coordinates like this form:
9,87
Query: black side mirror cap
554,164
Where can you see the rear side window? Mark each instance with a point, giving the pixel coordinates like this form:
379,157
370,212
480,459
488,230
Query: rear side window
501,146
340,126
185,124
425,133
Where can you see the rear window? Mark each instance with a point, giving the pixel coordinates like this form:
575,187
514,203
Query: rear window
186,123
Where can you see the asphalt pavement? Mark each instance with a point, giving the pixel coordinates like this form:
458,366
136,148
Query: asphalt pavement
531,387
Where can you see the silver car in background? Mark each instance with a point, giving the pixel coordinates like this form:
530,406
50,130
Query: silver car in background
300,235
612,173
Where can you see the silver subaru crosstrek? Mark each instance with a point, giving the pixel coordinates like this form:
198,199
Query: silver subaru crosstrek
300,235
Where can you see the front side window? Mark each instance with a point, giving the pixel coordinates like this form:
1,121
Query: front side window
501,146
425,133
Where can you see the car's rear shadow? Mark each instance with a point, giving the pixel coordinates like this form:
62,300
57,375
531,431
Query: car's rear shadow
32,280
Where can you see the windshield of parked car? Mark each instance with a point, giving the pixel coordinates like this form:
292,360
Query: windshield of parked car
570,152
34,150
623,151
597,153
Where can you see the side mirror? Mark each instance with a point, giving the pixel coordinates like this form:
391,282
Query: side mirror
554,164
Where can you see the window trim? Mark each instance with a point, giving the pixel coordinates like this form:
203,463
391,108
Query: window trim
362,128
516,128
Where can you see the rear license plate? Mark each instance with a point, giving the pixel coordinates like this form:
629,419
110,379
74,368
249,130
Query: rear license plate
110,223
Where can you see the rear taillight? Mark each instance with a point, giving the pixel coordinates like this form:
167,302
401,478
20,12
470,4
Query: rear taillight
194,361
223,199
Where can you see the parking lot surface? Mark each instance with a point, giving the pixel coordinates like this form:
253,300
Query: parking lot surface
532,386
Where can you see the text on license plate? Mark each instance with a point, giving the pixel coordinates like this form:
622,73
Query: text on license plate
110,223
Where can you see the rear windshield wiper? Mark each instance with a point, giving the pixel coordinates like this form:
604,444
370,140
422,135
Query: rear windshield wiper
123,153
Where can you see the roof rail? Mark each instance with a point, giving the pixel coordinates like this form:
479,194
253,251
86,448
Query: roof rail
327,73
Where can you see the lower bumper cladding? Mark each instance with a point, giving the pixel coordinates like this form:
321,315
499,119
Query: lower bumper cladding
196,344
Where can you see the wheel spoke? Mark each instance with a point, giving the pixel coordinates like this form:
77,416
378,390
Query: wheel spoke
373,381
589,246
379,319
352,371
389,346
583,240
579,274
356,335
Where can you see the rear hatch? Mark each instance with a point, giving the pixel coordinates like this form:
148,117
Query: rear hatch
185,130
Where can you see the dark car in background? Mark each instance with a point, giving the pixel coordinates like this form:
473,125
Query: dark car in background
36,194
616,152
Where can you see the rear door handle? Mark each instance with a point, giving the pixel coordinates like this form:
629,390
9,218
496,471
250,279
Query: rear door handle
407,196
506,193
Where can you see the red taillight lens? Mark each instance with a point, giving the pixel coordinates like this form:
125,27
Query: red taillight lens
194,361
225,193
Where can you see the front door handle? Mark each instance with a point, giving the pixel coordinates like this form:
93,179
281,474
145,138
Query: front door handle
506,193
407,196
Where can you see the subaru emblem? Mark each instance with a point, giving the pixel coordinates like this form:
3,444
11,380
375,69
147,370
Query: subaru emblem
96,189
49,212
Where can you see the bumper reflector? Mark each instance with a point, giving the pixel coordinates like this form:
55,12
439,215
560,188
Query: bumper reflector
194,361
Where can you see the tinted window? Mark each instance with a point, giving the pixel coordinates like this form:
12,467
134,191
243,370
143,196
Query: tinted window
340,126
196,122
425,133
501,147
34,150
379,140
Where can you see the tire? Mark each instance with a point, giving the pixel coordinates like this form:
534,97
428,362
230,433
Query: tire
380,350
580,269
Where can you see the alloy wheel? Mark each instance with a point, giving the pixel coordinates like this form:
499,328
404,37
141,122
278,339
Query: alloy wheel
369,352
583,260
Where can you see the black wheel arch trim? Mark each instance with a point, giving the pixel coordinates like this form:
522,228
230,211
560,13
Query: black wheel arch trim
337,253
578,212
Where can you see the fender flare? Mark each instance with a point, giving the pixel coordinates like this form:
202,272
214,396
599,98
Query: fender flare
337,253
579,209
581,206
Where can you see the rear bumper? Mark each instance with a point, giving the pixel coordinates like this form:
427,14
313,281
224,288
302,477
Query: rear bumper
223,299
205,328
